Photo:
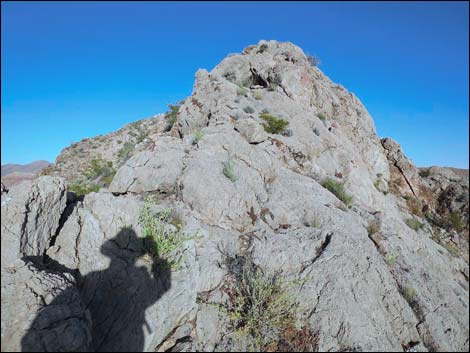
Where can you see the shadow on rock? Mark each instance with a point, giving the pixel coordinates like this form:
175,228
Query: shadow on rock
113,301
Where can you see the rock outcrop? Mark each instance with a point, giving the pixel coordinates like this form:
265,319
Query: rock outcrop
271,180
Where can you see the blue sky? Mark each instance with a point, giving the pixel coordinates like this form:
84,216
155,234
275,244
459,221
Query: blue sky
78,69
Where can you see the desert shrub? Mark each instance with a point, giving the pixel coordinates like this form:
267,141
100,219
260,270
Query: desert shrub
274,125
259,304
390,259
47,171
452,248
456,221
229,171
230,76
119,142
409,293
248,110
258,95
337,189
126,151
272,86
414,206
99,168
198,136
163,240
313,60
321,116
262,48
424,173
241,91
414,223
81,189
373,228
171,115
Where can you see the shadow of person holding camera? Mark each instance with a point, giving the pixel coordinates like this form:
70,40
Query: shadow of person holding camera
115,300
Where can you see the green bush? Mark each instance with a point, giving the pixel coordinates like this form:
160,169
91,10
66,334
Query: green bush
241,91
126,151
258,95
409,293
321,116
337,189
373,228
172,114
390,259
414,223
248,110
81,189
163,240
261,306
274,125
229,172
99,168
198,136
424,173
313,60
456,220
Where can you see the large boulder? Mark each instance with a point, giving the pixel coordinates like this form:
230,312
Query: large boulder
153,170
31,212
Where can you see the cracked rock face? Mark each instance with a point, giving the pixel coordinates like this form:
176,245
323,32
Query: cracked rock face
361,277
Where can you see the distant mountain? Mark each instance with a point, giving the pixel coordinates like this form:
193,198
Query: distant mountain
14,173
33,168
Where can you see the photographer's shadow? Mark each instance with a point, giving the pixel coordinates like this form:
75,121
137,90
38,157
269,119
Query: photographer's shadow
116,298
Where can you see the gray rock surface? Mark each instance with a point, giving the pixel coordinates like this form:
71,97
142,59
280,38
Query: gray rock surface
30,217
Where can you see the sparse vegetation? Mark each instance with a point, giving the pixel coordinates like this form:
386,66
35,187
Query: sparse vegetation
126,151
452,248
414,206
81,189
262,48
163,240
258,95
229,171
414,223
456,221
390,259
274,125
172,114
47,171
260,304
424,173
198,136
248,110
313,60
321,116
409,293
337,189
241,91
272,86
373,228
100,169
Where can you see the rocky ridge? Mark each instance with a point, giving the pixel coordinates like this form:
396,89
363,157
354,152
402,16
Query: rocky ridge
371,250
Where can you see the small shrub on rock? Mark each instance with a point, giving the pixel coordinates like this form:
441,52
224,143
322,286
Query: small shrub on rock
337,189
163,239
248,110
172,114
274,125
424,173
414,223
313,60
229,172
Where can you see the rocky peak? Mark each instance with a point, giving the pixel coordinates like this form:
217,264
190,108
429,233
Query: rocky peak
269,176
